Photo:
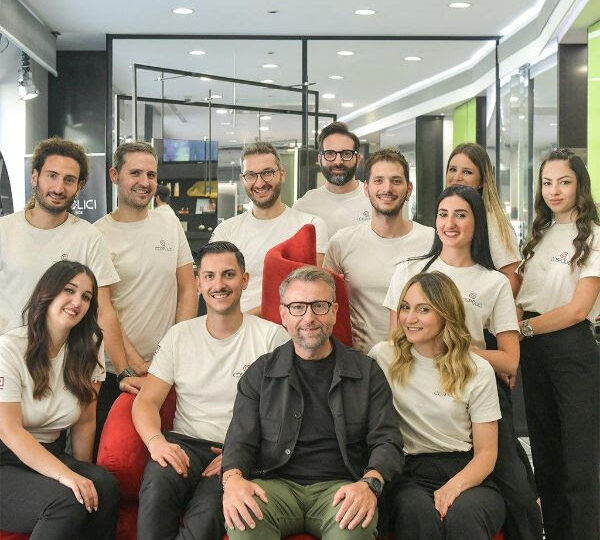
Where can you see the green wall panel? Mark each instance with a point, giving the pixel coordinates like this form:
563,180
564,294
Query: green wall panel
465,123
593,138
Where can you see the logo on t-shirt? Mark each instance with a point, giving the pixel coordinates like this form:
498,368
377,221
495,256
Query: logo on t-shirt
472,299
238,374
1,383
364,216
440,393
163,246
562,258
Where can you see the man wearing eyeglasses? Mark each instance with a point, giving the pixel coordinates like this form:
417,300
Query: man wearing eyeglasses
314,434
268,223
341,201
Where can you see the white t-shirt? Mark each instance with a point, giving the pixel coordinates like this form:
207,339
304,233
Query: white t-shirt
487,295
431,420
26,252
59,409
205,370
501,256
146,255
254,237
337,210
166,209
367,262
549,280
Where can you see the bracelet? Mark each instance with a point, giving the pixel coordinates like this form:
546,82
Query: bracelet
151,439
236,473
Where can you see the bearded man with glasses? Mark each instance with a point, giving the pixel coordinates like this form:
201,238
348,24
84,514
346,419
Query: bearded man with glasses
268,223
340,202
314,435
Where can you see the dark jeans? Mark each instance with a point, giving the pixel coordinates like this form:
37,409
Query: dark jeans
476,514
32,502
109,392
523,516
561,379
164,495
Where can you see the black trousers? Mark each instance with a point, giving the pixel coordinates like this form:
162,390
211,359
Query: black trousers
109,392
164,495
32,502
511,476
476,514
561,380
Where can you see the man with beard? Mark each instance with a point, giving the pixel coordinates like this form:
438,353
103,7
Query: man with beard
203,358
268,223
366,253
45,232
153,259
340,202
314,434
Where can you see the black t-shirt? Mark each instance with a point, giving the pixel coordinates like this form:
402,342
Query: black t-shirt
316,456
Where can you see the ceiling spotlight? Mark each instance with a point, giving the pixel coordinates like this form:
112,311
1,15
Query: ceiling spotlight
197,52
265,117
213,96
26,87
413,58
221,111
273,11
459,5
182,11
513,99
347,105
264,128
233,141
345,53
270,66
268,81
205,79
225,123
365,12
336,77
521,117
328,96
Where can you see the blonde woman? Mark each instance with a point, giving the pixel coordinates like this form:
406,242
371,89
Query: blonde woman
470,165
448,405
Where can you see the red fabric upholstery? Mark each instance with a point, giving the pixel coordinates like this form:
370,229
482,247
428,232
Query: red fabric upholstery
280,260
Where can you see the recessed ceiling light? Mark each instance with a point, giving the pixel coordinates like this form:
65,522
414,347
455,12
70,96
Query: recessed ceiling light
345,53
459,5
553,124
347,104
264,128
336,77
328,96
365,12
225,123
362,140
268,81
205,79
230,133
233,140
214,96
265,117
273,11
513,99
183,11
413,58
521,117
197,52
221,111
270,66
325,110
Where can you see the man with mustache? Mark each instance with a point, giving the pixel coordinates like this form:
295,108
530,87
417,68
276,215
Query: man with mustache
269,222
366,253
314,434
340,202
153,259
203,358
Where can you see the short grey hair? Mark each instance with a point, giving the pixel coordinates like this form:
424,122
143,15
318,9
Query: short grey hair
260,148
307,274
131,147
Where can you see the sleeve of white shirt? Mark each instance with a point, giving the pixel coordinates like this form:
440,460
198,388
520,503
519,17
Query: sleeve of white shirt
184,253
280,336
483,401
591,267
99,374
393,294
219,234
501,256
504,313
163,362
321,231
100,262
10,377
332,257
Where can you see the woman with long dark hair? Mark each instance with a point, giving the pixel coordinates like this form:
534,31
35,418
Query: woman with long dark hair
51,371
446,398
461,251
469,165
560,360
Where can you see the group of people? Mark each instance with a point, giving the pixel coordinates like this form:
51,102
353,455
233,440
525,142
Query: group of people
284,429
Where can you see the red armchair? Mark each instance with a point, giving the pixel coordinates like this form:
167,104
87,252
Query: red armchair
280,260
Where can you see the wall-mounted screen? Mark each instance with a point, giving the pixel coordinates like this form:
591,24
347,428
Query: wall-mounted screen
185,150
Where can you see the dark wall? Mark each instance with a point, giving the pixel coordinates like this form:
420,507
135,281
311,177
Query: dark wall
430,166
77,99
572,96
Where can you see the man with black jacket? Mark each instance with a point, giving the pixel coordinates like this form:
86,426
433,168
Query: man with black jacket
314,434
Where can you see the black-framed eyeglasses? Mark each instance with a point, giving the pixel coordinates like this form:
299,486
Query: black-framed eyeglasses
346,155
318,307
267,175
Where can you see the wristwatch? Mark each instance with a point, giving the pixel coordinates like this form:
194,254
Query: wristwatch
525,329
127,372
374,485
